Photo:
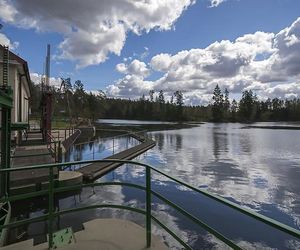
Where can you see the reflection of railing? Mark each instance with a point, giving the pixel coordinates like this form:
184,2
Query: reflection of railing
52,214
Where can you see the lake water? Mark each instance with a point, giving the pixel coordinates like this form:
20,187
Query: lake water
256,168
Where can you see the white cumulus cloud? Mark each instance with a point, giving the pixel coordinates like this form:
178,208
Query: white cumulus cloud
267,63
4,40
93,29
136,67
215,3
37,79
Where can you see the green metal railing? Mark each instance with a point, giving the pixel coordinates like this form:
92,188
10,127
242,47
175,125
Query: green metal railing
53,189
54,146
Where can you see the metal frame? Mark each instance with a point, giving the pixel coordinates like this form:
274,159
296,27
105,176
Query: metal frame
54,147
52,190
6,104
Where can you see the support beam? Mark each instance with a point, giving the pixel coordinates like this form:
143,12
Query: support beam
5,149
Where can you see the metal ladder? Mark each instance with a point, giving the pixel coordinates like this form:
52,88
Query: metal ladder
5,65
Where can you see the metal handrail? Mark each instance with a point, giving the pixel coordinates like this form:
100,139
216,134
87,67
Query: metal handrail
110,137
55,150
149,192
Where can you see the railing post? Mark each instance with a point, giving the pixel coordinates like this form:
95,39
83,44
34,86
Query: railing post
93,151
113,146
50,209
59,152
148,206
55,151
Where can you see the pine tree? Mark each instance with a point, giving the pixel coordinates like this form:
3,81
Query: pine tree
151,94
218,104
161,97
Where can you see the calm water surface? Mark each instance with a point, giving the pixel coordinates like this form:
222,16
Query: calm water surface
256,168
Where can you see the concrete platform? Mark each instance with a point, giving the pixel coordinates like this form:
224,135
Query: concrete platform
26,177
65,179
104,234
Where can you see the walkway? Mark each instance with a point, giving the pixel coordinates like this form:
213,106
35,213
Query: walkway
95,170
108,234
26,177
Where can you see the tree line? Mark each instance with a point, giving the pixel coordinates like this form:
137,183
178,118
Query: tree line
73,101
250,109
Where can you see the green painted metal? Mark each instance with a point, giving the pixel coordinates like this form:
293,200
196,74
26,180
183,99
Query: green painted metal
4,220
13,198
50,209
148,206
197,221
29,155
180,241
273,223
6,99
63,238
6,102
59,152
19,126
52,214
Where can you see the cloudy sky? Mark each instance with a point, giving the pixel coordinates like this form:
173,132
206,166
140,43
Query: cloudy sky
128,47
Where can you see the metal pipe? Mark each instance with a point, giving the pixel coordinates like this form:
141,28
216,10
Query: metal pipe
148,206
50,212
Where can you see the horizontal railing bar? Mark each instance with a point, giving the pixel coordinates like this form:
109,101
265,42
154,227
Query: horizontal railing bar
25,221
97,184
57,165
29,155
186,246
278,225
197,221
73,210
137,210
262,218
63,129
65,189
107,138
78,209
102,139
25,196
94,153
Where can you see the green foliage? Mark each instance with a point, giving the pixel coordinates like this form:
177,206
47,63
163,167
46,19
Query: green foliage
161,97
248,106
74,102
218,105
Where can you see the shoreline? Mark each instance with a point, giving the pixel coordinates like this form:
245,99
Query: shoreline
283,127
148,127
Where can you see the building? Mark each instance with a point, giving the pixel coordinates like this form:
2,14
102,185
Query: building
19,80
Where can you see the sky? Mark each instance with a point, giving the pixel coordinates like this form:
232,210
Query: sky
129,47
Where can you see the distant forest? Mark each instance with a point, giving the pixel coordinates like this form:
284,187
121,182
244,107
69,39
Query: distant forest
73,101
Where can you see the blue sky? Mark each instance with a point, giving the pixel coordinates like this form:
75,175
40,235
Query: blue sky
195,26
